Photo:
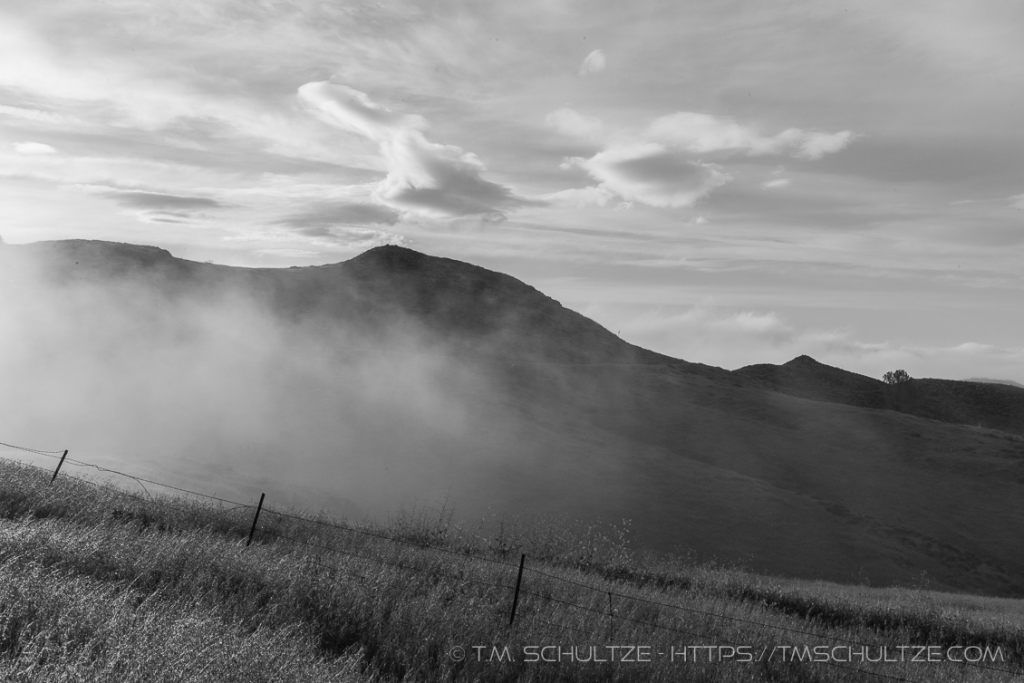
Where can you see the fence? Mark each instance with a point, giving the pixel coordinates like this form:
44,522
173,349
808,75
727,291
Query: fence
529,588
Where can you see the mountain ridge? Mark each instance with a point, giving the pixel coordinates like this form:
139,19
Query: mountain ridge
452,299
993,405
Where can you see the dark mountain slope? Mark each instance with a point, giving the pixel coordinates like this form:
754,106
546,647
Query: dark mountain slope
996,406
486,314
483,312
807,378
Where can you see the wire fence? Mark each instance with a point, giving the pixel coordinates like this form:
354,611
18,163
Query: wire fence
534,597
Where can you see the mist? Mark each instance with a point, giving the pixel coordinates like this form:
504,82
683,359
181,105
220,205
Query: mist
223,395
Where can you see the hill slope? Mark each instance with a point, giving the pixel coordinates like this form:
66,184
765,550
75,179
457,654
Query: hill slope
458,303
99,584
535,409
984,404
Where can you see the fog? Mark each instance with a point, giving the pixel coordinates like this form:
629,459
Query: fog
222,395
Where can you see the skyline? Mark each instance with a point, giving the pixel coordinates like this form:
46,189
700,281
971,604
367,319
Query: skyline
725,183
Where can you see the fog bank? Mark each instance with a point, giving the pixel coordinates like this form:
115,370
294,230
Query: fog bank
223,395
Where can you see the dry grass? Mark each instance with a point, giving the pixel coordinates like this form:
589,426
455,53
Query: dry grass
96,585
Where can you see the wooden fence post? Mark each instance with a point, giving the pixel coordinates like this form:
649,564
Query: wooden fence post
611,616
519,581
255,519
58,465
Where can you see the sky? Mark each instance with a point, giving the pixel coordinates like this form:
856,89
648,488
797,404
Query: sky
725,182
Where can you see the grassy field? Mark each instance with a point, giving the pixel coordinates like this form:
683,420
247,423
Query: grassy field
100,585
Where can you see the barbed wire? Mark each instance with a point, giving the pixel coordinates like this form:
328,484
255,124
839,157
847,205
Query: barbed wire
32,450
138,479
119,491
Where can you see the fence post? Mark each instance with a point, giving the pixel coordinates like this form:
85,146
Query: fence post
255,519
611,616
519,581
58,465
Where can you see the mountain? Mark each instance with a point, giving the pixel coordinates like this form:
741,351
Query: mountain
972,402
522,406
805,377
478,310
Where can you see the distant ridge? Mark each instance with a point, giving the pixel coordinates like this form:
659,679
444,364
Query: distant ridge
1008,382
805,377
996,405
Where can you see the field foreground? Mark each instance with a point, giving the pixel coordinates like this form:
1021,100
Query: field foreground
98,583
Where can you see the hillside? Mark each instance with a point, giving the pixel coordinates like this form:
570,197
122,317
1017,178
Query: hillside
994,405
983,380
399,379
102,584
477,310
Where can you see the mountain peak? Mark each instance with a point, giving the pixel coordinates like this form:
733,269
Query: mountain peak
391,257
803,360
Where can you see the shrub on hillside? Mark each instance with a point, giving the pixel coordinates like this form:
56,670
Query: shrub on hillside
896,377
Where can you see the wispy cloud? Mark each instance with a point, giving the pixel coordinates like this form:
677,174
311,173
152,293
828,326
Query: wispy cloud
154,200
34,115
424,177
570,122
33,148
680,158
652,173
702,133
353,238
329,214
154,207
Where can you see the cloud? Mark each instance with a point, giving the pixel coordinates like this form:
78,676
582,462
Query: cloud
350,109
155,200
973,347
580,197
1017,201
594,63
164,217
289,253
702,133
356,238
677,159
155,207
652,174
33,148
35,115
570,122
758,324
708,334
423,177
341,213
778,182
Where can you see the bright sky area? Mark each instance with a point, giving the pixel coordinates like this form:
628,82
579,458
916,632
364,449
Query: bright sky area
725,182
